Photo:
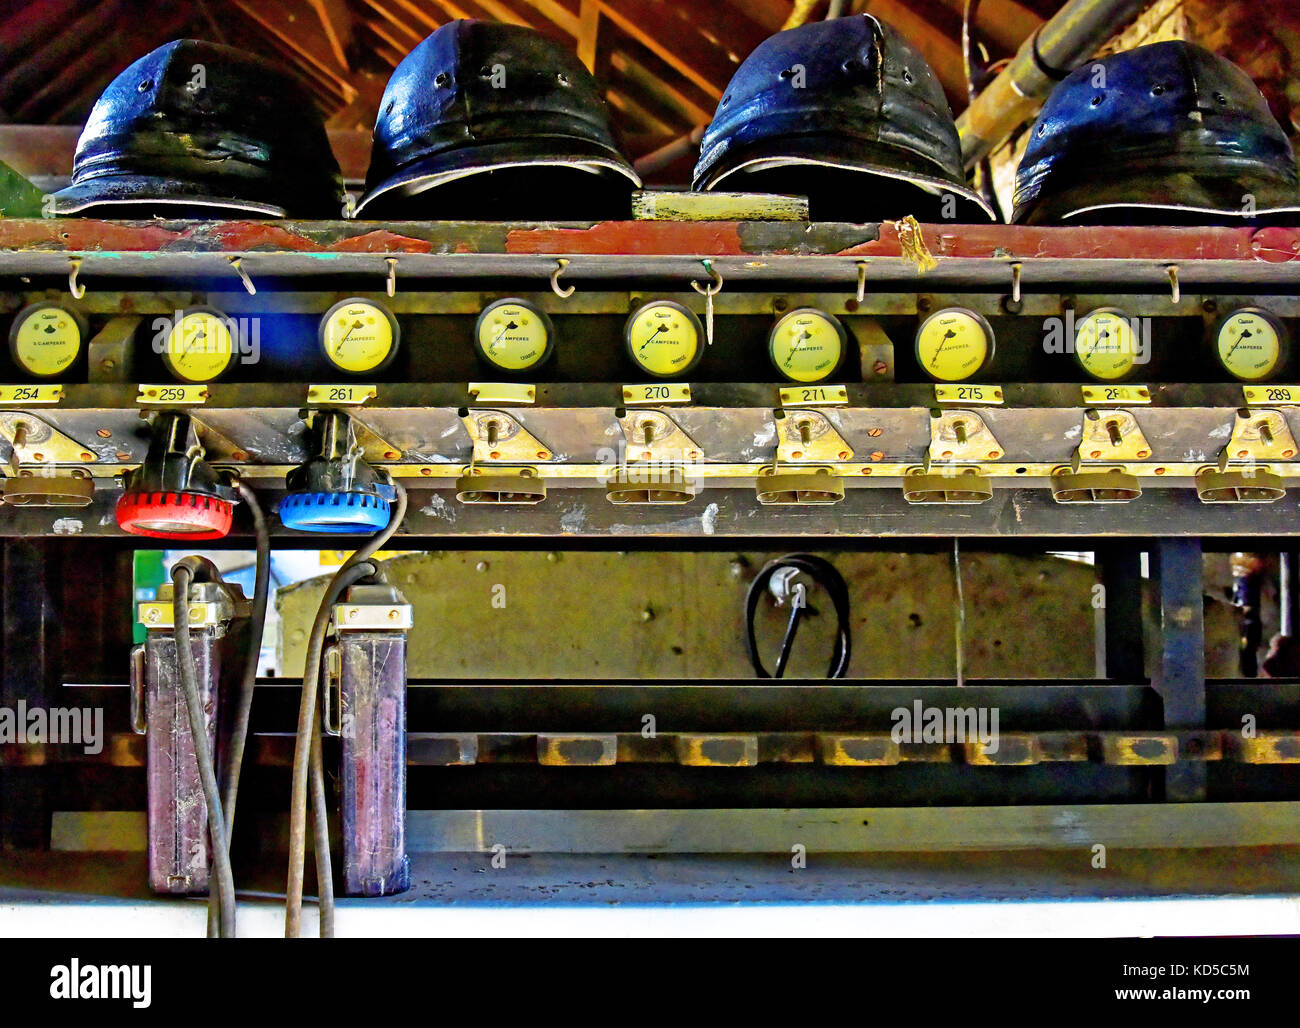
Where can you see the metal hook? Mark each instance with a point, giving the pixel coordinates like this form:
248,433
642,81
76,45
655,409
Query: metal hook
862,280
237,264
74,287
391,285
1015,281
708,292
560,264
1175,291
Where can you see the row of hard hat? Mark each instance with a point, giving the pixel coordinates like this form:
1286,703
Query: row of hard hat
496,121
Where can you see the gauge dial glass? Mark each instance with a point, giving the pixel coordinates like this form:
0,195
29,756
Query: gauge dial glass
663,338
513,335
1249,344
807,345
1105,345
358,336
45,340
199,346
953,344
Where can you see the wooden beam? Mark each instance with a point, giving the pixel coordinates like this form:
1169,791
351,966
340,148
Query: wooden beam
386,13
1006,23
588,29
336,20
300,33
662,30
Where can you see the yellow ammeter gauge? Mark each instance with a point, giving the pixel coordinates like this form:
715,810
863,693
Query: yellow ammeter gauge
359,336
663,339
199,346
807,345
1105,344
46,339
514,336
1251,344
953,344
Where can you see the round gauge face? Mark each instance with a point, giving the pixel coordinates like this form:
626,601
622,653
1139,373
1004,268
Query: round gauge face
953,344
1105,345
1250,344
199,346
807,345
45,340
358,336
663,339
514,336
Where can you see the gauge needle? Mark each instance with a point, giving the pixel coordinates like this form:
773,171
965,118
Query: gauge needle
507,327
650,339
795,346
338,347
946,336
199,333
1245,332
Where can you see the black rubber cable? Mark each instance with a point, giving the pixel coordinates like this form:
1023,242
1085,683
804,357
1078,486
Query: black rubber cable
823,573
243,712
182,573
354,569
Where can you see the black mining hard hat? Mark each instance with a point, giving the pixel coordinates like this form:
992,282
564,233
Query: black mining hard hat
488,120
847,113
199,129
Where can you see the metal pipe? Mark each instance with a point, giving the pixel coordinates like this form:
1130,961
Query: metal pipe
1060,45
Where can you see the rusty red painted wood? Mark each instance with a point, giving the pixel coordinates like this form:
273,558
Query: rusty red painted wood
650,238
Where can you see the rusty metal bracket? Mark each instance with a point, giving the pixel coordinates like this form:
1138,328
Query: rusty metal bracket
1094,485
75,489
953,485
806,436
808,487
500,486
654,484
1254,484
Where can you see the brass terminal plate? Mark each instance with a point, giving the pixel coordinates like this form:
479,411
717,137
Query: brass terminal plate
1095,485
35,441
652,435
961,435
372,617
1111,435
804,488
499,438
500,486
808,437
158,614
1249,485
1258,435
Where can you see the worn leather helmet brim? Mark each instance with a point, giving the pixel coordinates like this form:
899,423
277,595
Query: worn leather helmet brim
150,190
1144,196
826,151
453,165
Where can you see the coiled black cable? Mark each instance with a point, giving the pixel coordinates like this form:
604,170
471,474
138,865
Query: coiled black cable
823,573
